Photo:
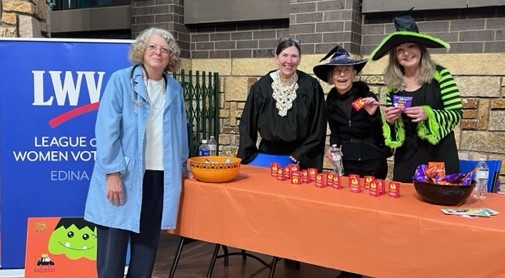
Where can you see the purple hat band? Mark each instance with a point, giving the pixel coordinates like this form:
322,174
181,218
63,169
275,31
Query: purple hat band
340,57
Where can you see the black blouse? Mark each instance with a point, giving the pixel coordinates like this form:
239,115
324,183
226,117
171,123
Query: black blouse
301,133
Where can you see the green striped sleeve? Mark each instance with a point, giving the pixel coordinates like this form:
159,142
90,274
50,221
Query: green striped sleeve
441,122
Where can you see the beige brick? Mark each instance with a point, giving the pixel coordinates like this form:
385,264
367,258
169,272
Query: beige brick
10,18
479,86
236,88
224,113
472,63
221,66
469,103
8,32
29,27
496,120
186,64
19,6
498,104
470,114
483,113
469,124
482,141
252,67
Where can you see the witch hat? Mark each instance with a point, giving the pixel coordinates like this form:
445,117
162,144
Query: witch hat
406,31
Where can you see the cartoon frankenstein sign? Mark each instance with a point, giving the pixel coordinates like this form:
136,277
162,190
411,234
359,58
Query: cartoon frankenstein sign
60,247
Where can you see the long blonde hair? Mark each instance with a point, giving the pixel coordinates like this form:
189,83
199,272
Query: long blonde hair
393,74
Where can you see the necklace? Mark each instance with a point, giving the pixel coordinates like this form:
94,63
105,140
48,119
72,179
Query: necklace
156,92
284,92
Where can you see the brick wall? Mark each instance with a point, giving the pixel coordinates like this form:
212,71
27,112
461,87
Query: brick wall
318,24
474,30
24,18
167,14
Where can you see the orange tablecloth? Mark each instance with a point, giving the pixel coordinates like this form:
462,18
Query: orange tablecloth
376,236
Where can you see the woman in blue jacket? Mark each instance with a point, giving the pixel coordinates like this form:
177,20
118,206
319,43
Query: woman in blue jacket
142,147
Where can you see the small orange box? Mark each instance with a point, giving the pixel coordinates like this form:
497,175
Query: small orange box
354,183
312,173
294,168
381,185
368,180
280,174
305,176
287,172
274,167
296,177
337,182
321,180
374,190
329,180
394,189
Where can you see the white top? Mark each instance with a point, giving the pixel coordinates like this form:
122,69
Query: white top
154,132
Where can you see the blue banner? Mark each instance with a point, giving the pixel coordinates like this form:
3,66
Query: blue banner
49,95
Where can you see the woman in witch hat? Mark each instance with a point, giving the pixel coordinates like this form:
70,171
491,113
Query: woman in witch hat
423,101
353,116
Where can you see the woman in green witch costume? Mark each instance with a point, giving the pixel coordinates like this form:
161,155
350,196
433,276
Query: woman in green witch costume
423,101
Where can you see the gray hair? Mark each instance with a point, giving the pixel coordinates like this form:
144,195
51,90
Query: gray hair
139,46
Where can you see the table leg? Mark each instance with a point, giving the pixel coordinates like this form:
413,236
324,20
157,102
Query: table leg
213,261
177,257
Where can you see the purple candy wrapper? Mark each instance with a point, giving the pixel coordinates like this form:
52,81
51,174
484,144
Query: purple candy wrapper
456,178
419,174
402,102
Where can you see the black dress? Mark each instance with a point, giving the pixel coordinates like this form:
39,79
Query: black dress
431,140
301,133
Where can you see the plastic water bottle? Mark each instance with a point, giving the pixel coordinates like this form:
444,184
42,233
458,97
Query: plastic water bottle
336,160
212,145
481,177
203,149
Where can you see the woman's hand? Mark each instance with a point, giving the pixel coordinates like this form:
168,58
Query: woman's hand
370,105
187,174
391,114
416,113
115,189
328,155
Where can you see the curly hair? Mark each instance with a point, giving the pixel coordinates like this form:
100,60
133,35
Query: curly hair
139,46
393,74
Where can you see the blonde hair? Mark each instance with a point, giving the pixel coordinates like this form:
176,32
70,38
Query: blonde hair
393,74
138,47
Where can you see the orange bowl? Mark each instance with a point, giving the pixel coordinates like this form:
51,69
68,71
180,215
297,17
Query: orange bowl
214,168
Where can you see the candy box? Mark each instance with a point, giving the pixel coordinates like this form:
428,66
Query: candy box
354,183
322,180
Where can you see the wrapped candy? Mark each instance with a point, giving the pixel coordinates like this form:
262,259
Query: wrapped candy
434,172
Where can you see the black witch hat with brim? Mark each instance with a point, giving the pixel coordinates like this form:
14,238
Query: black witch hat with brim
340,58
406,31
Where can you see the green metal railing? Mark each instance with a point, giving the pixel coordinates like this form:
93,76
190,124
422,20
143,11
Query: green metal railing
201,94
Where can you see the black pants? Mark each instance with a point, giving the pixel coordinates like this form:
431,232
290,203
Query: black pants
113,243
373,167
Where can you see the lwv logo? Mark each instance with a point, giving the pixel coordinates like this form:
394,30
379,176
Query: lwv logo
67,88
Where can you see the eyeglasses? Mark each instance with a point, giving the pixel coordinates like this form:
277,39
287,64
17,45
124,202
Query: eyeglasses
294,40
153,48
